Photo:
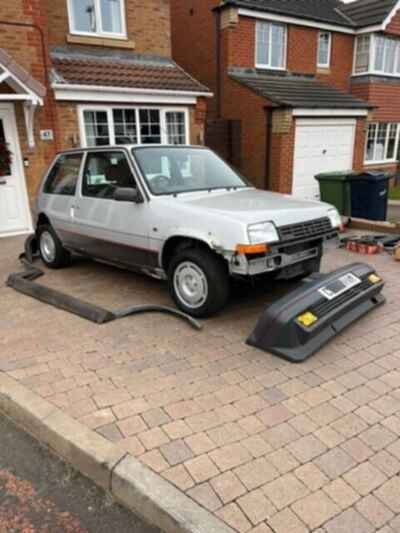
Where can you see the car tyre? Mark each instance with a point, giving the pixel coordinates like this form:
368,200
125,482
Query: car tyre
198,282
52,252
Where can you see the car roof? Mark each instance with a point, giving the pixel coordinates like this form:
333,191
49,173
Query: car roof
127,147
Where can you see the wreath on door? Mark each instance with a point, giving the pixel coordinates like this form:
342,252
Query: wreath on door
5,159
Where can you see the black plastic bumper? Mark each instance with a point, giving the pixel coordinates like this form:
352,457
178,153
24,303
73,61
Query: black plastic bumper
280,331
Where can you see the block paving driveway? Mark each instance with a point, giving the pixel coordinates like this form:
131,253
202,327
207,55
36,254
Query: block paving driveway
264,444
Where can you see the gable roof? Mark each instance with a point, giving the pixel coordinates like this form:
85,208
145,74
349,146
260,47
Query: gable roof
368,12
296,91
119,69
355,15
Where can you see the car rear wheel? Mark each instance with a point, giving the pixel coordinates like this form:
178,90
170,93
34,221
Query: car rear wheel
198,282
52,252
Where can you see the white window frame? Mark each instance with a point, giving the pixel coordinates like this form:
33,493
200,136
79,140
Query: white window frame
328,63
268,65
99,31
396,147
372,48
111,125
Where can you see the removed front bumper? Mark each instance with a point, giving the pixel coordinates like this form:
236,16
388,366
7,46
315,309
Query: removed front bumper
280,331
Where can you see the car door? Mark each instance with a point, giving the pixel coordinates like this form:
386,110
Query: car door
57,197
108,229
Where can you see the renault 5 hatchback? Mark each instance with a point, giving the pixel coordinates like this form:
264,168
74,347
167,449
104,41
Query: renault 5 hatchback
176,213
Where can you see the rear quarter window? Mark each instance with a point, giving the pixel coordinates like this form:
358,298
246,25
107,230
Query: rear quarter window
63,176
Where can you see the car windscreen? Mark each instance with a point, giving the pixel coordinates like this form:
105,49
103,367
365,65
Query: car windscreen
180,170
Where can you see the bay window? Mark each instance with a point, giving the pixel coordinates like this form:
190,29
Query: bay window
377,54
105,18
382,142
270,45
101,126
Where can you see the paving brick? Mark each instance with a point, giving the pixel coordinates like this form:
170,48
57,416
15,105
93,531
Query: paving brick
316,509
132,445
306,448
389,494
280,435
357,449
350,425
273,395
377,437
329,436
374,511
132,426
201,468
335,463
255,473
200,443
261,528
130,408
110,432
228,487
285,490
177,429
341,493
251,424
99,418
230,456
153,438
272,416
180,477
311,476
256,506
386,462
155,461
205,496
233,516
256,445
370,416
283,460
347,521
287,522
176,452
251,404
364,478
227,434
315,396
109,399
303,424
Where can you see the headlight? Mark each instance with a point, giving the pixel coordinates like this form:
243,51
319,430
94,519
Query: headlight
263,232
335,218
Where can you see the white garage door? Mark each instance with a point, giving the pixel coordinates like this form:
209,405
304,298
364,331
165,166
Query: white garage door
321,146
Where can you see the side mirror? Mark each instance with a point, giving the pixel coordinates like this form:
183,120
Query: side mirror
128,194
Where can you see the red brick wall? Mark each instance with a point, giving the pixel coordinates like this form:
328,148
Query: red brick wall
281,178
341,66
394,26
385,96
302,49
148,25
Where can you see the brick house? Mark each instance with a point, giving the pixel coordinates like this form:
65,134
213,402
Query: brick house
301,86
86,72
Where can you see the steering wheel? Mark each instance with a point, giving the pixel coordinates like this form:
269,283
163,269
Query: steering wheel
161,182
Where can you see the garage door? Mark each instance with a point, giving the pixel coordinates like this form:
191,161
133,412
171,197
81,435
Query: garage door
321,146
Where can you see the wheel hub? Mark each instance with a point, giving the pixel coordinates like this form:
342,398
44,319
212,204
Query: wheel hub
190,284
47,247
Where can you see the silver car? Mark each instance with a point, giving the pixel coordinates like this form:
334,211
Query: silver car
180,214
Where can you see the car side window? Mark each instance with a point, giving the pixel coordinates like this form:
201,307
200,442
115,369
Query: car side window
104,173
64,175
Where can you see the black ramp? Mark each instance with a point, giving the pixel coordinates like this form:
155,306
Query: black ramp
299,324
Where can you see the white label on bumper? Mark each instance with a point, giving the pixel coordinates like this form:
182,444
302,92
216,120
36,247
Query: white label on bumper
339,286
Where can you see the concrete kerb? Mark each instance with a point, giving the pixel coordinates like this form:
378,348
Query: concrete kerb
133,484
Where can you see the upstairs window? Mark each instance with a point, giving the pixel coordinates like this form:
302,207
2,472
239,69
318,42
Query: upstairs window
363,47
324,49
270,45
377,54
105,18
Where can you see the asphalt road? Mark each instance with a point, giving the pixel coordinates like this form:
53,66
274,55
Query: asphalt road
39,493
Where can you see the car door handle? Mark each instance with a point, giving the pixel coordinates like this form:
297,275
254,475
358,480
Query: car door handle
3,183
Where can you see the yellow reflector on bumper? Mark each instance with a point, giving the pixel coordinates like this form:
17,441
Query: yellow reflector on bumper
373,278
307,319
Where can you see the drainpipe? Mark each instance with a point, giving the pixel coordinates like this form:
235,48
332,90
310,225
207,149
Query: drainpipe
218,62
268,148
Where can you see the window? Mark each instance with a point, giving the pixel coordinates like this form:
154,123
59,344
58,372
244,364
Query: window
104,173
64,175
109,126
324,49
170,170
362,54
382,142
270,45
385,54
97,17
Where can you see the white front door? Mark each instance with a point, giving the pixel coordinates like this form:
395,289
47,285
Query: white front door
15,215
321,146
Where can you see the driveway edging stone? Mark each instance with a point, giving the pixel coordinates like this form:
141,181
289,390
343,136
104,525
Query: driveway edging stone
129,481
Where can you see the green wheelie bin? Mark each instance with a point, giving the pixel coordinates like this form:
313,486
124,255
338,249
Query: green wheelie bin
335,189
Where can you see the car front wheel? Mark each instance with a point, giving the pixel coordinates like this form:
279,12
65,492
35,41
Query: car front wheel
198,282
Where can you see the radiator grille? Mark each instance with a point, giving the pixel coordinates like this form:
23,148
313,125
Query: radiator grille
326,306
305,230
